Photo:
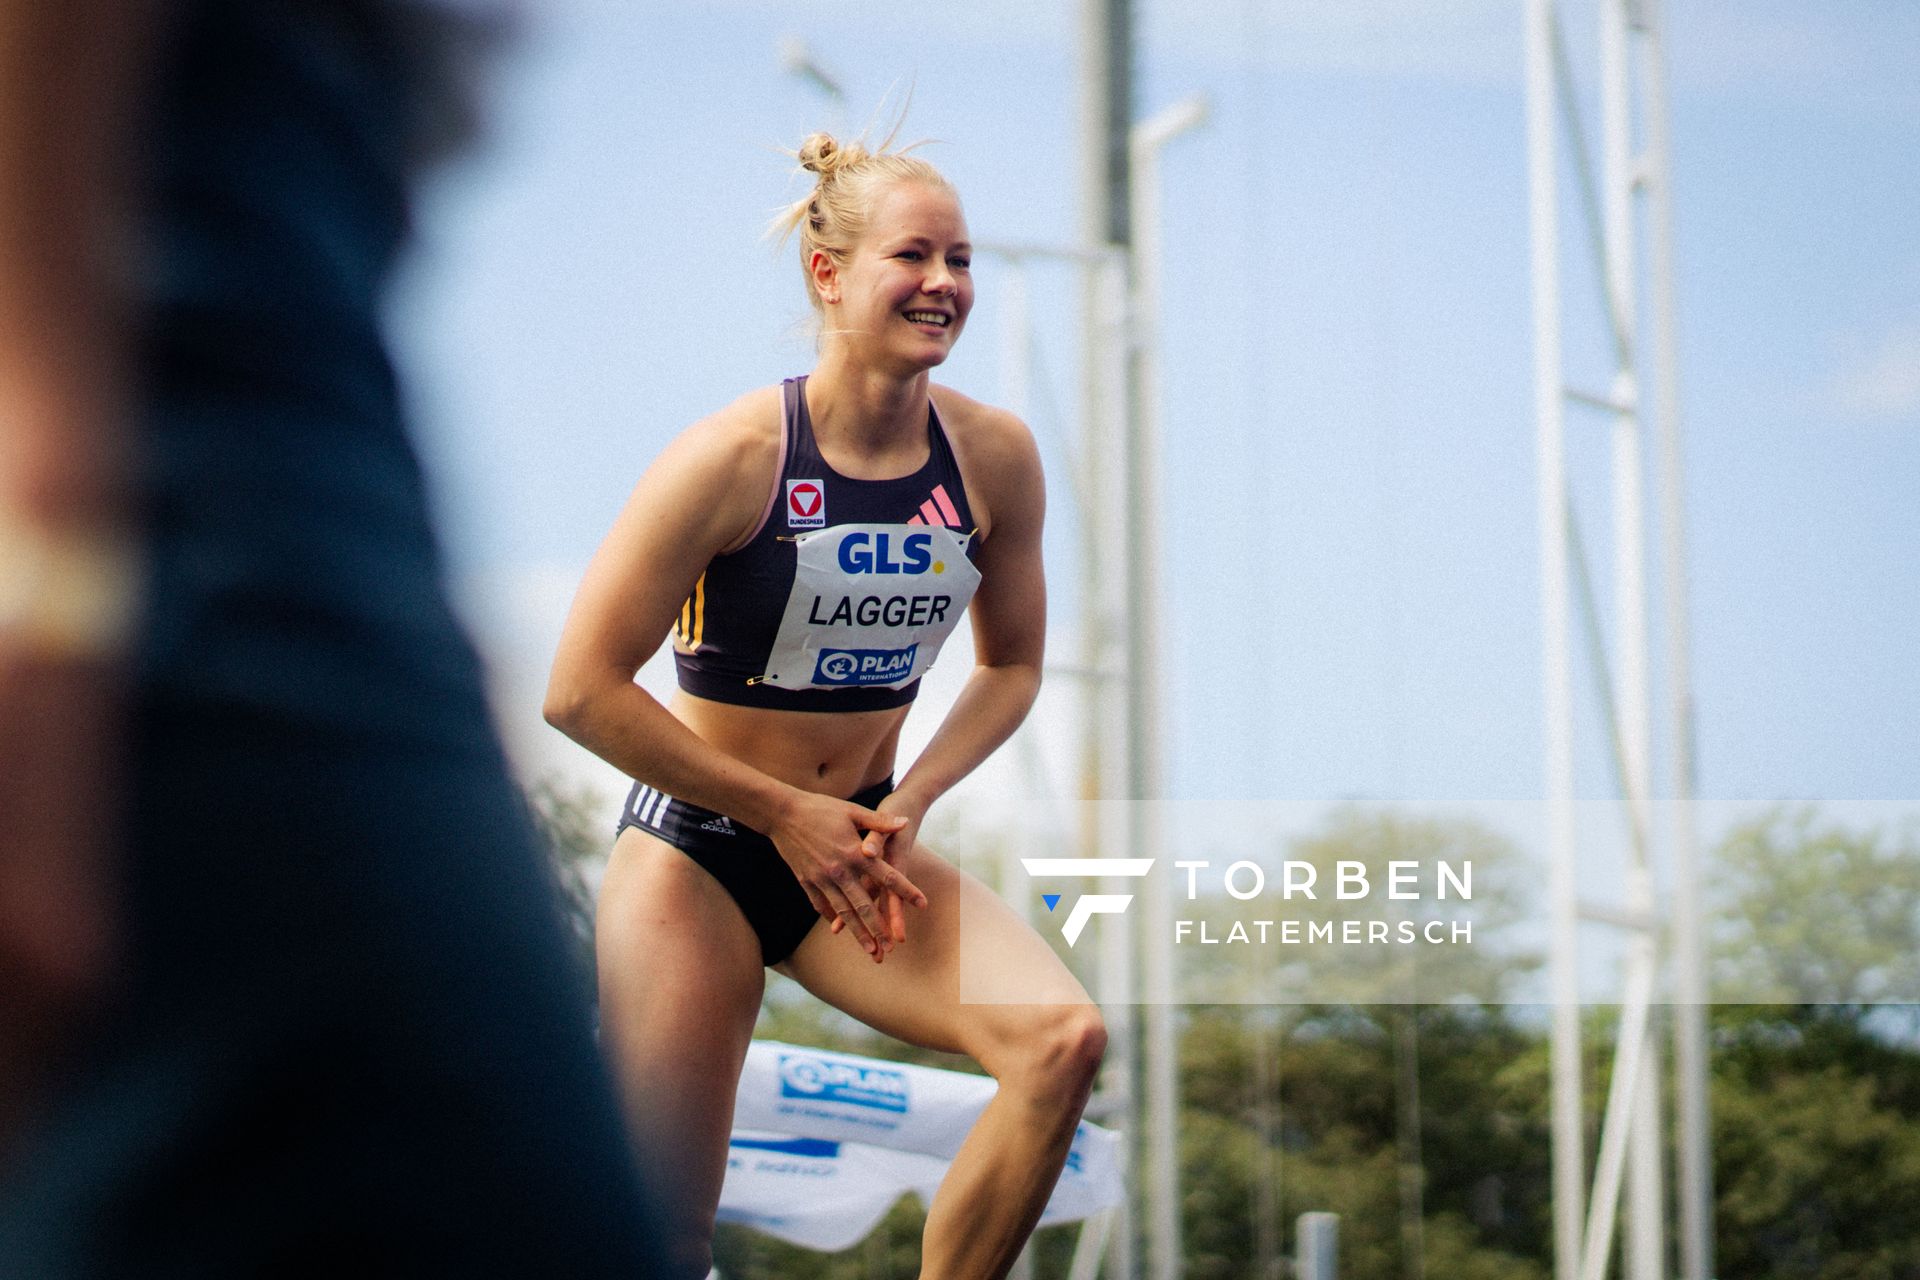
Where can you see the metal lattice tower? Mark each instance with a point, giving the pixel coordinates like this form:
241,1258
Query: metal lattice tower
1633,180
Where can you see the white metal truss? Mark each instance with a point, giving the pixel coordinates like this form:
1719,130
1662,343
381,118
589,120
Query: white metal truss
1631,180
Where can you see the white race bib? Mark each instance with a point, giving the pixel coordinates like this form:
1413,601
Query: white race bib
871,605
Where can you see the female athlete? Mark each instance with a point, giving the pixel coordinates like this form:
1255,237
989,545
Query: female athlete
809,547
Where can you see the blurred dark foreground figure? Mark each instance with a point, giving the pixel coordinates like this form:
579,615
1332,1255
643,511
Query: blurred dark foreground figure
282,989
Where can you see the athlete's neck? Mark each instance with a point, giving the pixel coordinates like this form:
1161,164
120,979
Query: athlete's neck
866,412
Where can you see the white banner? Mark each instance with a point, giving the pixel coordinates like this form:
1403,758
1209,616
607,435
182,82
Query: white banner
825,1143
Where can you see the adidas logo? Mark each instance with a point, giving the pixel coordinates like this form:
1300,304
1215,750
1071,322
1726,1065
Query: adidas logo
722,825
938,510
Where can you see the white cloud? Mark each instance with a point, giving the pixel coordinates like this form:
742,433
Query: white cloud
1882,382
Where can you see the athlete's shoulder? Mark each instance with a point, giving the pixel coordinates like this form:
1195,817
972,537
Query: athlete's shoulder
999,459
719,470
744,436
975,428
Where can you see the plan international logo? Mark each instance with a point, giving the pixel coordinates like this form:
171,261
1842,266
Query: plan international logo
1089,905
833,1080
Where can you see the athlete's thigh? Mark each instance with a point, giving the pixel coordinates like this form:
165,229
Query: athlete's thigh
971,977
680,986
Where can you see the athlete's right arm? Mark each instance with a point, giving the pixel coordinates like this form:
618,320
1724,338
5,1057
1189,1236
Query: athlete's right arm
703,495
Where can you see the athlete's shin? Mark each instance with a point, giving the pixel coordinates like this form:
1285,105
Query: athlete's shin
1000,1182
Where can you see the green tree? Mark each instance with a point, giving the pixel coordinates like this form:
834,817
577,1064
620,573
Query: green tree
1484,969
1333,1131
1813,913
568,822
1817,1174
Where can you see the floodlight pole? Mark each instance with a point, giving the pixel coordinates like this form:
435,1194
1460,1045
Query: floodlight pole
1106,113
1146,756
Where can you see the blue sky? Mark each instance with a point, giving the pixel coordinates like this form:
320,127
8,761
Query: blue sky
1352,569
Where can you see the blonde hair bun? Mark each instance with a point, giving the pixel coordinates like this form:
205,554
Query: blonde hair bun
825,155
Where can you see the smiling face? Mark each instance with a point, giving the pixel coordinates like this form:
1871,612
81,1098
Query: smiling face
904,291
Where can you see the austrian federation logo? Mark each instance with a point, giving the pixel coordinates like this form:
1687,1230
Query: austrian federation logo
1088,905
806,505
831,1080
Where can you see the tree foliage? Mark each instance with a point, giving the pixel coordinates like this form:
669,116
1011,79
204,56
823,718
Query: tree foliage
577,842
1815,913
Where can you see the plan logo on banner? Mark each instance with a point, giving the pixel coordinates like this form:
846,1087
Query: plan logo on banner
806,505
827,1080
1088,905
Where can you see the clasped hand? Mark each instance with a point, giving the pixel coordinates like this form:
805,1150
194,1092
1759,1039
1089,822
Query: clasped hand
842,854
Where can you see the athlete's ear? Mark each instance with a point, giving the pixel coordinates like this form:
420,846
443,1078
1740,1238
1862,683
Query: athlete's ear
826,276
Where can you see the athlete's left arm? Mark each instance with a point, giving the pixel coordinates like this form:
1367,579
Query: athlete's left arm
1009,613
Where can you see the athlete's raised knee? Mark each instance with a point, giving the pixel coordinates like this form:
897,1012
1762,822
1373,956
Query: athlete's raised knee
1059,1055
1081,1042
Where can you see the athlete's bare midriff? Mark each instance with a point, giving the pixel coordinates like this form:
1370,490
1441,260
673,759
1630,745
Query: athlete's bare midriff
834,753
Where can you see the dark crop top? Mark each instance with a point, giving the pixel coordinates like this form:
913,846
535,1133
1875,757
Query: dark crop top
846,590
